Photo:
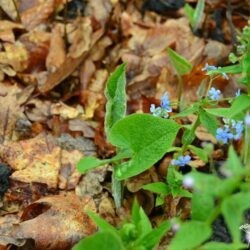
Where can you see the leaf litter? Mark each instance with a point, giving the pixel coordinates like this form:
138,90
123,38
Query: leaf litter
53,70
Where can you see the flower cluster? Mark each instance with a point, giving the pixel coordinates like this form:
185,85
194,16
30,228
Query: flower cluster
211,67
214,94
231,130
181,161
164,109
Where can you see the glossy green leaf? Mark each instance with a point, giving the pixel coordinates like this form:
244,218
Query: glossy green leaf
115,93
181,65
148,137
222,246
240,104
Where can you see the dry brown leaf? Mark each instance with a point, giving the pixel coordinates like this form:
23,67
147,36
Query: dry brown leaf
6,31
15,55
86,127
57,53
69,176
56,222
38,14
65,111
11,99
9,8
79,36
19,155
44,169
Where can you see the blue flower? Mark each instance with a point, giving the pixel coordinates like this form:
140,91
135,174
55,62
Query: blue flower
214,94
237,93
238,129
208,67
164,109
224,135
165,102
181,161
247,120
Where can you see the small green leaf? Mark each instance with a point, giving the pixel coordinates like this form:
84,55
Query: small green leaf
222,112
116,98
208,121
190,235
101,241
233,69
157,187
101,223
147,136
199,10
90,162
181,65
189,11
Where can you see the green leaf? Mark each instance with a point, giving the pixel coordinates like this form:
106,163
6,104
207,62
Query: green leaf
201,153
181,65
147,136
157,187
222,246
91,162
189,11
208,121
198,14
115,93
101,223
222,112
233,69
101,241
240,104
233,165
144,226
190,235
188,136
232,210
202,206
150,240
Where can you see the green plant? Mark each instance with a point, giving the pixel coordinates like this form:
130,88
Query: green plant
136,234
141,140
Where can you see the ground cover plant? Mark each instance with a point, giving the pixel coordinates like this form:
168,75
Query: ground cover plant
125,125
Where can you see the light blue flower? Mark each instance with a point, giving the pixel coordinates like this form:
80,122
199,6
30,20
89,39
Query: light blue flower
181,161
165,102
164,109
224,135
237,93
188,181
247,120
238,128
214,94
208,67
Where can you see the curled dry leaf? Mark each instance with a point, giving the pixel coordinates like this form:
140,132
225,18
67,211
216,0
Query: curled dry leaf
56,222
9,8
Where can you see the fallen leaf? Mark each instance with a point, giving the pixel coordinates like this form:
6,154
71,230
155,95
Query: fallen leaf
56,222
6,31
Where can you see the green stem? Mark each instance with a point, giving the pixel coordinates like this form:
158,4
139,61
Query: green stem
180,89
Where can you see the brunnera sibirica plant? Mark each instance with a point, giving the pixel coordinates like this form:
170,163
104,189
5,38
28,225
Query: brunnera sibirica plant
141,140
